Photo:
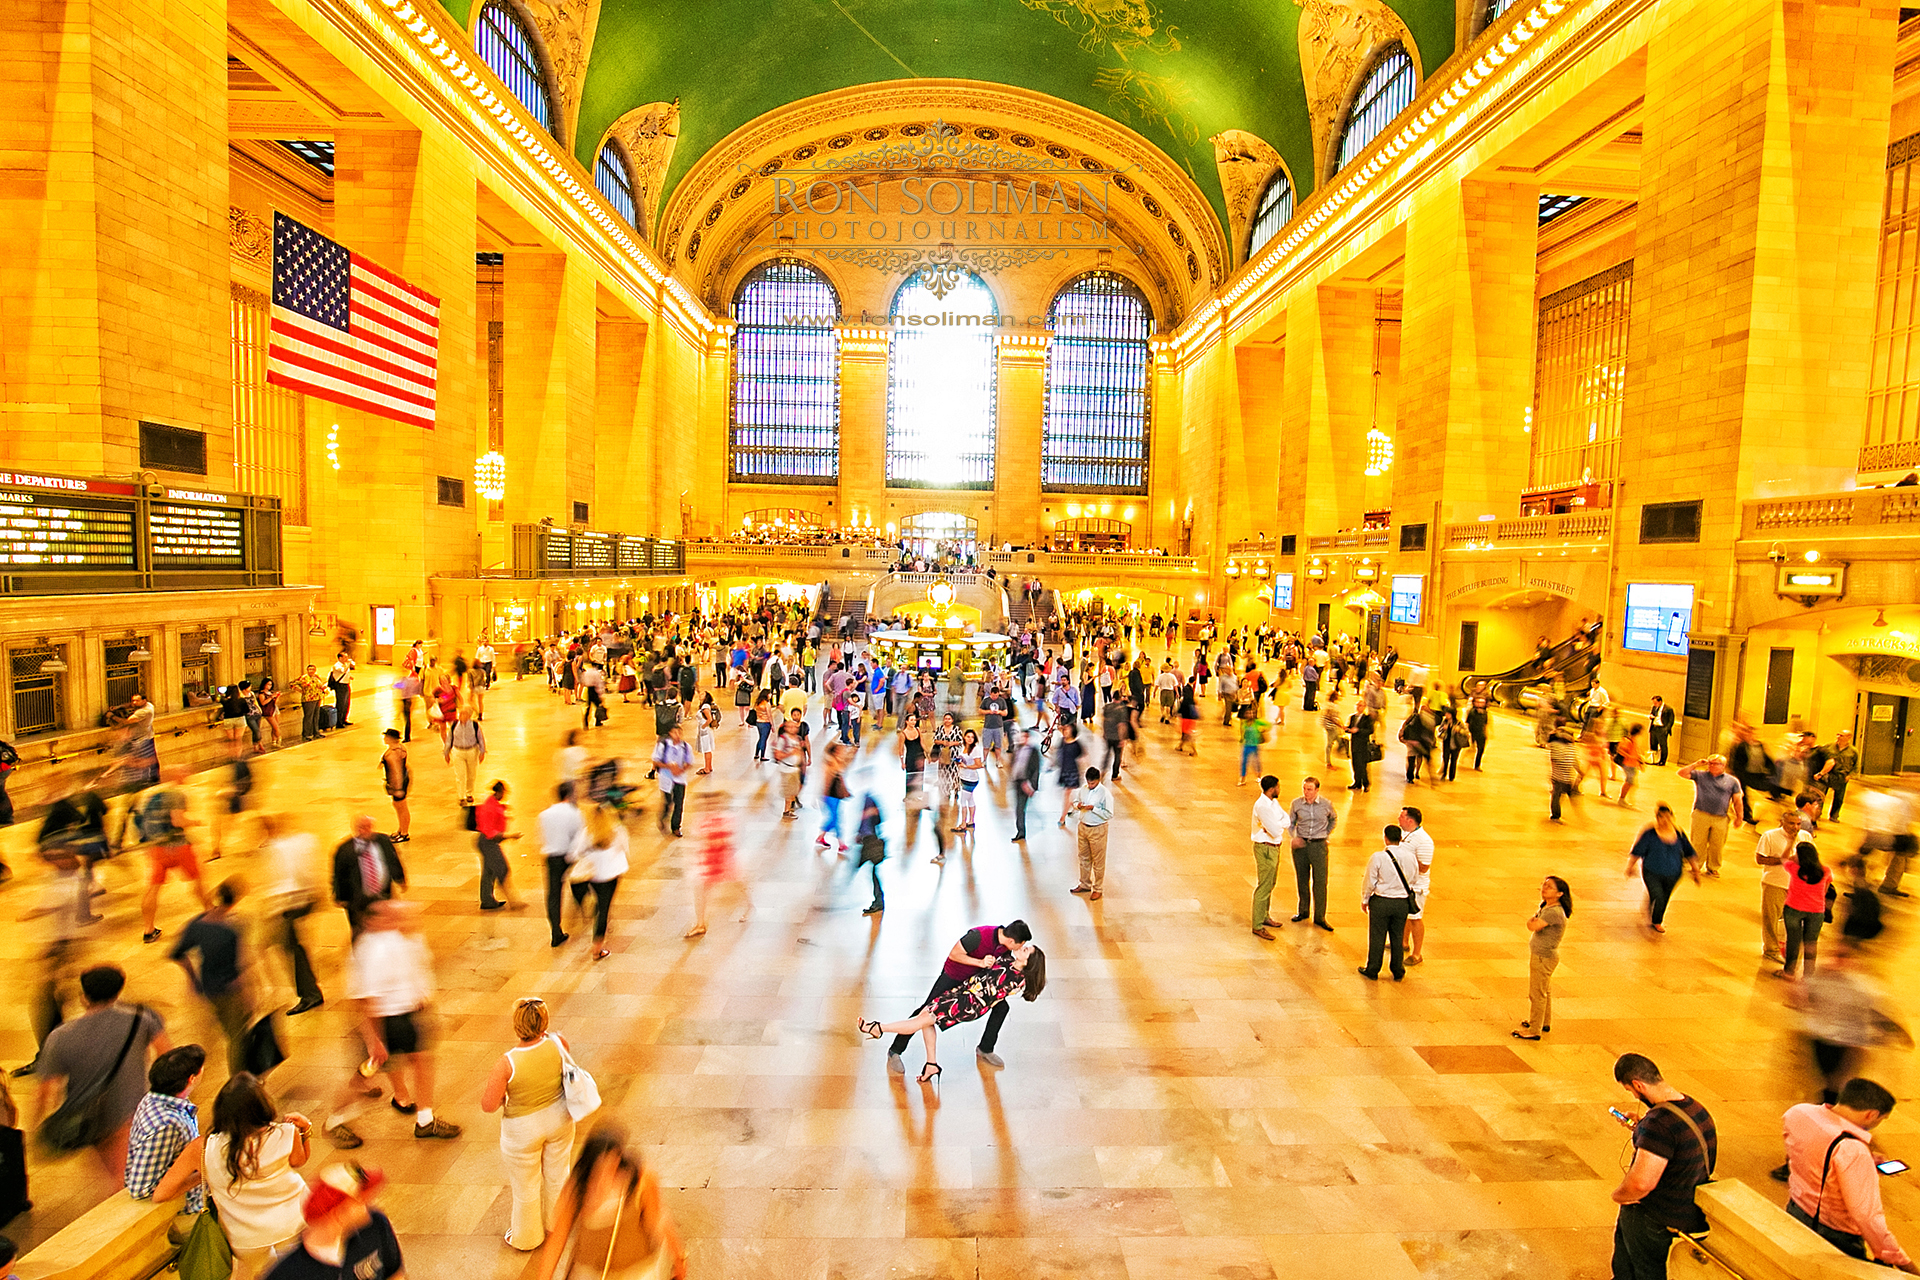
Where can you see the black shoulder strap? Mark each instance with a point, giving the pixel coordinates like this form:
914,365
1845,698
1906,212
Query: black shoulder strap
1394,859
1826,1166
1706,1152
133,1029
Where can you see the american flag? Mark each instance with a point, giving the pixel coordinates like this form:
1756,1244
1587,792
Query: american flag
348,331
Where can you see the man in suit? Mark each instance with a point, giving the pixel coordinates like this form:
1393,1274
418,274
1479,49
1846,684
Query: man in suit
366,869
1659,728
1025,780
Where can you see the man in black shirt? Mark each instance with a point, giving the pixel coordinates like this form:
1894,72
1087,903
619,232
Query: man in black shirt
217,940
345,1235
1675,1148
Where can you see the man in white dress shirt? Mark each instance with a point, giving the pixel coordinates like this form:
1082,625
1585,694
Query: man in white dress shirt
1414,838
1270,827
1386,895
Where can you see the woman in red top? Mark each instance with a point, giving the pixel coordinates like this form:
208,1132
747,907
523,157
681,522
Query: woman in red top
1806,909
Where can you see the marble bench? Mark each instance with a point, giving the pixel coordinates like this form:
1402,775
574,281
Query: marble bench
118,1239
1754,1236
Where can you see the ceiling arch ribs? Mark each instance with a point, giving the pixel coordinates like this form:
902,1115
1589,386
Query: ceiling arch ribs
1159,227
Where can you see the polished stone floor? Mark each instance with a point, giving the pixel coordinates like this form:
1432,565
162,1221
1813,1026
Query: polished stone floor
1185,1100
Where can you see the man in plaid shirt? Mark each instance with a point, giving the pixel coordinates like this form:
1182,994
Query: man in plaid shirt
165,1122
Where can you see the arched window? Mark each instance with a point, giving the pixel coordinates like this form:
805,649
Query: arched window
1384,94
941,381
1095,433
504,43
786,376
1273,212
615,180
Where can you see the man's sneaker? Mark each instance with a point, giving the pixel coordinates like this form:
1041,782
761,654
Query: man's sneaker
991,1059
310,1003
343,1138
404,1108
896,1064
438,1129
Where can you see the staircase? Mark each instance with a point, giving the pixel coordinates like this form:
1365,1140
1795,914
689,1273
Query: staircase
852,611
1024,614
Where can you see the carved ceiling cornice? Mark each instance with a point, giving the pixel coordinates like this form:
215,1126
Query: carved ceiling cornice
722,208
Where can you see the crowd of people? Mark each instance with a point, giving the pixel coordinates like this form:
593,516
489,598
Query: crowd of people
1069,709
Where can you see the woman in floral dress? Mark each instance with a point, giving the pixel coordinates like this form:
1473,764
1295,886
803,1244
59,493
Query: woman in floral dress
1024,971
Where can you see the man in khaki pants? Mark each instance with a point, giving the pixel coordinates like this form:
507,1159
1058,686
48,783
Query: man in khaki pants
1096,812
1773,854
1716,808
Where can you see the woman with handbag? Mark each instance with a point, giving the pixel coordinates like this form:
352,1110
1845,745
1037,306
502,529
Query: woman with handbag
536,1132
600,859
610,1223
248,1163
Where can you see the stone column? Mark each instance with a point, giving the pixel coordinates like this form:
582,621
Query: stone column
113,199
1762,178
863,425
1465,379
619,434
1326,405
1021,419
550,367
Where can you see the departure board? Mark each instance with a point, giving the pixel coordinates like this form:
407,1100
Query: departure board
559,549
46,531
634,555
592,551
196,537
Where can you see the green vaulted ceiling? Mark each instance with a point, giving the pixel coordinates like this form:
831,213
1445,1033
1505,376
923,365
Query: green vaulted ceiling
1177,71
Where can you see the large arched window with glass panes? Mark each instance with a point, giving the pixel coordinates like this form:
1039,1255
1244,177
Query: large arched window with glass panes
1095,432
786,376
505,43
1273,212
941,382
1384,93
614,177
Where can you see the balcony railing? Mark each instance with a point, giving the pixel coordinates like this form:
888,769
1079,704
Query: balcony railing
1352,538
783,552
1136,561
1576,528
1860,508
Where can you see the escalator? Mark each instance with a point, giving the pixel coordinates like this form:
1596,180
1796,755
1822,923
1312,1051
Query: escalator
1573,661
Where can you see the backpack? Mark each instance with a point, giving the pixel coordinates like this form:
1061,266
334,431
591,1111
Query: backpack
152,819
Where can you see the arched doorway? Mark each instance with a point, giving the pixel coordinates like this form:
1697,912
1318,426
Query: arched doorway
933,534
1091,533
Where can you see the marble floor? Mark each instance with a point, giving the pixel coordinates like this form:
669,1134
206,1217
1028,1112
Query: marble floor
1185,1100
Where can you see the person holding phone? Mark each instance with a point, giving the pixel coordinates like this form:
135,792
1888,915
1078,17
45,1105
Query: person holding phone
1833,1186
1675,1147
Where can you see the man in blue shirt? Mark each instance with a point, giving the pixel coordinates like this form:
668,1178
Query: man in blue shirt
165,1122
1715,793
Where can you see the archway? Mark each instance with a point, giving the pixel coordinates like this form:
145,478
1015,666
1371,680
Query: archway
1091,534
932,534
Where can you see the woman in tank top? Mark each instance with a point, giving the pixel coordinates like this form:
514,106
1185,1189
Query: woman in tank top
610,1222
536,1131
248,1161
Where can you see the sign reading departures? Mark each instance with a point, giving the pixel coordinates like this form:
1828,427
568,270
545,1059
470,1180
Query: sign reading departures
67,524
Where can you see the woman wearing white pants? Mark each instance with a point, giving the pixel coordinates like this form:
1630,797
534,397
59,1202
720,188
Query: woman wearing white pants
536,1133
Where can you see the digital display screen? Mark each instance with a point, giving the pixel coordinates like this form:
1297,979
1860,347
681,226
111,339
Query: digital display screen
46,531
1404,603
1283,592
559,549
633,554
1659,616
196,537
383,625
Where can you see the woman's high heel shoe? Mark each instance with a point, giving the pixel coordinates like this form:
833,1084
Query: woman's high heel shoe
927,1073
871,1030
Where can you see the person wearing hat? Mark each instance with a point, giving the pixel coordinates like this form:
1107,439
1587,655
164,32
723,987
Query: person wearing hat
344,1234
